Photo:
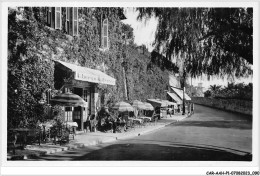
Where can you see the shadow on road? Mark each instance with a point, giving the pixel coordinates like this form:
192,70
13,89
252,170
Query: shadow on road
235,124
156,152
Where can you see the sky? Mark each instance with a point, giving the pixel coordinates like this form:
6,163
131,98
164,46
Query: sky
144,33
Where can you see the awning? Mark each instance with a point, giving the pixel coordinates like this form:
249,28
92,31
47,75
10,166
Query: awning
88,74
180,93
157,103
175,97
169,103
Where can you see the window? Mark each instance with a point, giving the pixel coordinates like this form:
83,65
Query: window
67,89
77,113
68,114
105,34
85,97
71,21
54,17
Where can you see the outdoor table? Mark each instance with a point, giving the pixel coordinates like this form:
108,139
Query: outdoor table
72,125
144,117
138,120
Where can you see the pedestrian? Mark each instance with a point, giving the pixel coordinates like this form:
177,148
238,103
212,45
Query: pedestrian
169,112
88,124
92,123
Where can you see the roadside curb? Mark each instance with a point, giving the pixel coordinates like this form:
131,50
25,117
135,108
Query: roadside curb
91,143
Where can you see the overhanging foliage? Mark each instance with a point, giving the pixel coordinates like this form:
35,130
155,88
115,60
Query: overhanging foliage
214,41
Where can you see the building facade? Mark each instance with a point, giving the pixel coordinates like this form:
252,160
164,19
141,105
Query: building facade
75,77
82,47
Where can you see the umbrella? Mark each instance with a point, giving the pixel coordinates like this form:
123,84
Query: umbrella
68,99
148,106
138,104
123,106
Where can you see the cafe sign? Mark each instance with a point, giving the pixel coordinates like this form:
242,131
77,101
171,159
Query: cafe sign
100,78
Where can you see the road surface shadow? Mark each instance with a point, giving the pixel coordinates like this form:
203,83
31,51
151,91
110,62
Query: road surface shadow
235,124
157,152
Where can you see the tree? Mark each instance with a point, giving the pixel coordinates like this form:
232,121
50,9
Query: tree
215,89
207,93
214,41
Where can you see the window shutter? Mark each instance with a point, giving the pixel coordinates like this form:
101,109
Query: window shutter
70,21
48,10
105,34
101,32
75,21
52,17
57,17
67,20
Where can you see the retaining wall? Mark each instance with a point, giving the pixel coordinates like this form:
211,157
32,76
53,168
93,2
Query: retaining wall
233,105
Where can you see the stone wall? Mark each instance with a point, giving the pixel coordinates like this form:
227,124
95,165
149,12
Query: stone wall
233,105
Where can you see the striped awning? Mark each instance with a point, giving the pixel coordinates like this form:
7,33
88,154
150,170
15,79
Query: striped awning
175,97
138,104
68,99
148,106
179,92
169,103
123,106
157,103
88,74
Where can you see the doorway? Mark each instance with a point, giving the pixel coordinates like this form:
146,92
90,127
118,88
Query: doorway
77,113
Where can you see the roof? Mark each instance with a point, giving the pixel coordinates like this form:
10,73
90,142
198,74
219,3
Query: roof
179,92
175,97
88,74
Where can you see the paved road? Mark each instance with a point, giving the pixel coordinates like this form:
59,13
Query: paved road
208,135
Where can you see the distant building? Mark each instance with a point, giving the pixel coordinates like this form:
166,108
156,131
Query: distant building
199,90
176,95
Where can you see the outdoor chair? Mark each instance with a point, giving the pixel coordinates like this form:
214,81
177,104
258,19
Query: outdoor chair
146,121
136,123
120,127
72,132
60,135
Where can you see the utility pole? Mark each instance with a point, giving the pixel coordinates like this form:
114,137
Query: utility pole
190,85
124,73
183,101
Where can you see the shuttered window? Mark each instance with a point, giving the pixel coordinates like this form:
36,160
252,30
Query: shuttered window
71,21
53,17
105,34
